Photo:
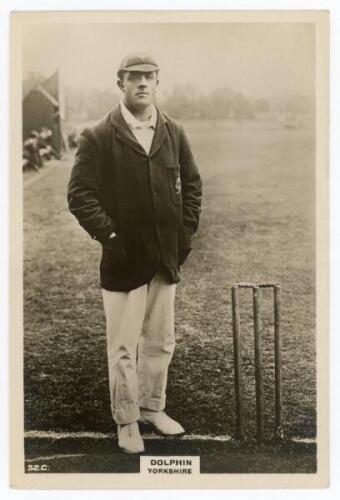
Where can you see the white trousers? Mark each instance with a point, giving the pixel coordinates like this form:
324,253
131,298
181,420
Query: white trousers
140,344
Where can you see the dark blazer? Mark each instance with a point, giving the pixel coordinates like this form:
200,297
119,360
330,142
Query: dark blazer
151,201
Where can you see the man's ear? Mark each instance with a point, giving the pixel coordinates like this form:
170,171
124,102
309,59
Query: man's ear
121,85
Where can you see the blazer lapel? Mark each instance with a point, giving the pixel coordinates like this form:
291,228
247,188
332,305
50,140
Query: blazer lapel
123,131
160,134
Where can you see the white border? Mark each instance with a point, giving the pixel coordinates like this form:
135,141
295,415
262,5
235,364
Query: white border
334,8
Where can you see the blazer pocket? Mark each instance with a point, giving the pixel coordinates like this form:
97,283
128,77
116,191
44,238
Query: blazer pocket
175,186
114,254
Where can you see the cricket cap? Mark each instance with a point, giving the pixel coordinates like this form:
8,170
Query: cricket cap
138,62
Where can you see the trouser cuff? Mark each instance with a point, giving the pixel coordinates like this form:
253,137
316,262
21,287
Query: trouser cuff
156,404
126,414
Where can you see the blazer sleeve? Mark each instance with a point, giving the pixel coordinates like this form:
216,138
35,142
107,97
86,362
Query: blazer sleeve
84,189
191,185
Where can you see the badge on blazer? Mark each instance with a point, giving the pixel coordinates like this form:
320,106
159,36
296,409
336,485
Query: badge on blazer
178,185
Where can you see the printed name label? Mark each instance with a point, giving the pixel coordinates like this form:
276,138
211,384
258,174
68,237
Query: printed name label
170,466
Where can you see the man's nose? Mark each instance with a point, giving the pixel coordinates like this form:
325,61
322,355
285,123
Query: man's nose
142,81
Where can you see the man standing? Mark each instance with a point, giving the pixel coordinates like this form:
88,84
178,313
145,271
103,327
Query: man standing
135,188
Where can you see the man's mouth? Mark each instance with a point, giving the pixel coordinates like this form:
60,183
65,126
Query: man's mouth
142,93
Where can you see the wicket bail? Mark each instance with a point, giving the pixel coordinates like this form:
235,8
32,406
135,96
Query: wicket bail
256,288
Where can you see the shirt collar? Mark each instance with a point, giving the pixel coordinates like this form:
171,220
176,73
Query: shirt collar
133,122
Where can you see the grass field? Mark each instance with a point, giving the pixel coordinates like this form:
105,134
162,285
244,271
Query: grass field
257,224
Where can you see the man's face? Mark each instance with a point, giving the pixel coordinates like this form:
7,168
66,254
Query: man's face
138,88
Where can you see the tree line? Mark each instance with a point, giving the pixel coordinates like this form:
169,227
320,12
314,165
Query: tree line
186,101
183,101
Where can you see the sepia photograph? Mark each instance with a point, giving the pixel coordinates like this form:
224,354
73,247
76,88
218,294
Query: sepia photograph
171,176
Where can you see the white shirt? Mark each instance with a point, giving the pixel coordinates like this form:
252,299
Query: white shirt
143,131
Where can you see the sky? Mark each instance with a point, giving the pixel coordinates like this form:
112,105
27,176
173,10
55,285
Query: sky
256,59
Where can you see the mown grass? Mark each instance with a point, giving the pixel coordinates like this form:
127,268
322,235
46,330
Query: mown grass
257,224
